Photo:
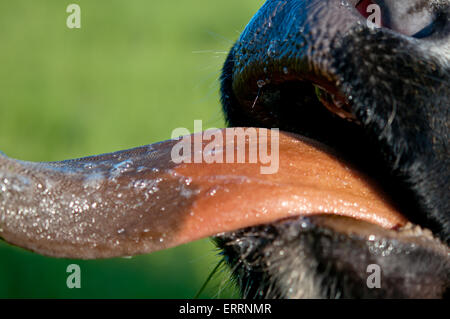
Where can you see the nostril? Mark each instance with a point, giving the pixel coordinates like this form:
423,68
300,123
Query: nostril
414,18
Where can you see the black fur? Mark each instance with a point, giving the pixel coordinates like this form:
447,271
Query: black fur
398,92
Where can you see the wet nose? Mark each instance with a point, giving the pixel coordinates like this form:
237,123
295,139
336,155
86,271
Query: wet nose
287,41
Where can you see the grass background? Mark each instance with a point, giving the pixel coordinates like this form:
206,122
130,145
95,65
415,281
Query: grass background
136,70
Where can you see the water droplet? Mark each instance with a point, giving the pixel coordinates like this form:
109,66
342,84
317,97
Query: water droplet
271,51
89,165
121,168
261,83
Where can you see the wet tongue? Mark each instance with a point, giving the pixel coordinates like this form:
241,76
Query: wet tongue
140,200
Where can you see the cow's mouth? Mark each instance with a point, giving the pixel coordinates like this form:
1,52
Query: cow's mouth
315,109
344,246
279,75
371,203
334,250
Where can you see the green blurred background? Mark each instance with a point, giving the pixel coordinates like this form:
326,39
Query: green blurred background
135,70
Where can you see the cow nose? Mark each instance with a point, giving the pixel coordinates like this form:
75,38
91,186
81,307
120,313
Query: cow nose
290,43
415,18
287,42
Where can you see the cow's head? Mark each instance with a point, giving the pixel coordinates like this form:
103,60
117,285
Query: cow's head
372,191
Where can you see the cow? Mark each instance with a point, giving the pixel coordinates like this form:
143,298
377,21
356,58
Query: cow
363,177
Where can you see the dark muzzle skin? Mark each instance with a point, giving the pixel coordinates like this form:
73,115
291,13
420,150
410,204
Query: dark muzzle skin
328,257
393,89
390,95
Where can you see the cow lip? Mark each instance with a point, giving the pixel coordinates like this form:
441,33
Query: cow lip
345,245
413,234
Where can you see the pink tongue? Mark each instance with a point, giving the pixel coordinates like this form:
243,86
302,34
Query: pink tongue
138,201
310,181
